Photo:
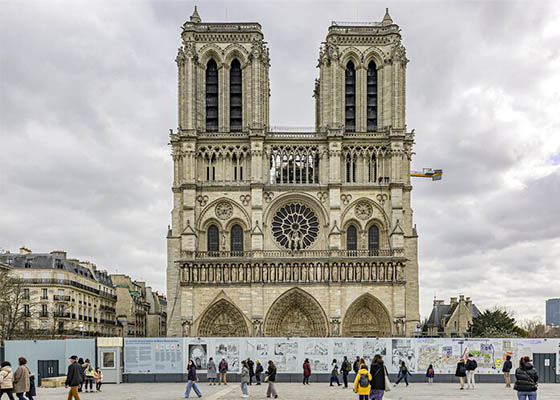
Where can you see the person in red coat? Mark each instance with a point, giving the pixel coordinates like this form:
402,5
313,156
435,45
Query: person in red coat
306,371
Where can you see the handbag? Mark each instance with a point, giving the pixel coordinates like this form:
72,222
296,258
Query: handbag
266,379
387,381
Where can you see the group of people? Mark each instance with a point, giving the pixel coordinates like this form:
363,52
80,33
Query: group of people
249,370
21,382
81,376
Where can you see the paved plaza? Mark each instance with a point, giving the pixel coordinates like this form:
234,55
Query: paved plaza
317,391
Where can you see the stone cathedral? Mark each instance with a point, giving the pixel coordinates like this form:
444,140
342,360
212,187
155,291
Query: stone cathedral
291,233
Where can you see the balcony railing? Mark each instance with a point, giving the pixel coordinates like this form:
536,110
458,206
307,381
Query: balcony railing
292,271
66,282
311,254
59,314
108,309
58,297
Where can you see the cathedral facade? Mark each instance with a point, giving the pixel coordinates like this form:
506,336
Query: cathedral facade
291,234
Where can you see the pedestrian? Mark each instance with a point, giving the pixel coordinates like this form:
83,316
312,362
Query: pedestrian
271,378
191,383
471,368
379,378
258,371
306,371
89,373
526,380
356,366
430,374
251,366
21,379
345,367
461,372
74,378
506,369
245,378
362,381
81,363
98,379
223,369
6,380
212,372
334,373
32,388
403,374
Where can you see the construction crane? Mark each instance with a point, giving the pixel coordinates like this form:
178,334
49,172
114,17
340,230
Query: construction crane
435,174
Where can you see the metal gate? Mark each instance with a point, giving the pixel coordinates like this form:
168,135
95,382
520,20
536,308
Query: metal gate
47,369
545,364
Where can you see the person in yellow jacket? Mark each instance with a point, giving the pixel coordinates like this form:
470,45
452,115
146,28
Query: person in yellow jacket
362,381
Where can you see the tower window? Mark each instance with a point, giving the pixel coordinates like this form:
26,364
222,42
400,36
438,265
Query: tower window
350,97
211,96
372,97
237,239
373,239
235,97
213,238
351,238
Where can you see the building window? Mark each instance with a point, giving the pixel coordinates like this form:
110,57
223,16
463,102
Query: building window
373,238
235,97
26,294
350,98
237,239
44,311
213,238
372,97
26,310
351,238
211,96
44,295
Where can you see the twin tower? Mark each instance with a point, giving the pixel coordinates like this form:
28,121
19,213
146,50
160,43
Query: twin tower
291,234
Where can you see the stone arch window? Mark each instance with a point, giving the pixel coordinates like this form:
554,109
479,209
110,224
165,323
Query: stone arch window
351,238
222,319
350,168
211,167
236,239
235,97
373,239
213,239
350,97
294,164
372,97
211,96
237,163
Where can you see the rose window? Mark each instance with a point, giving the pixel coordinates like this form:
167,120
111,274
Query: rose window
295,226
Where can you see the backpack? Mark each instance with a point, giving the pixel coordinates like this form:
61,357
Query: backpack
364,380
222,365
347,366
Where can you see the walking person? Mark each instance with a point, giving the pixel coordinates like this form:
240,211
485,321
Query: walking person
430,374
251,366
471,368
258,371
245,378
98,379
74,378
271,378
306,371
356,366
345,367
191,383
212,372
334,373
32,388
379,378
362,381
21,379
526,380
506,369
82,365
461,372
89,373
223,369
403,374
6,380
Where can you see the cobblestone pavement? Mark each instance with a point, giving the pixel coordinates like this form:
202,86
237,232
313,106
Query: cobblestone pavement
317,391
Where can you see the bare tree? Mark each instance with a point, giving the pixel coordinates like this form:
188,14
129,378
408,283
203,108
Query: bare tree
13,299
537,329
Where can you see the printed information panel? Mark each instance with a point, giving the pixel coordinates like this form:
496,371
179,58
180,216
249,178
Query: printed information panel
153,356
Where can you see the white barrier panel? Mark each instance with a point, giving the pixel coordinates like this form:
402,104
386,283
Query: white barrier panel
161,355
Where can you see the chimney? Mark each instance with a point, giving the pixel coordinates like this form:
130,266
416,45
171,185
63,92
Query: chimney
461,298
468,301
438,302
59,253
24,250
453,300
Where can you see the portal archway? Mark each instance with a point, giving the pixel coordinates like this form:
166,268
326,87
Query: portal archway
223,319
366,317
296,314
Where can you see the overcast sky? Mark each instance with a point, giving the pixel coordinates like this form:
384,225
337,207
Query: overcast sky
88,94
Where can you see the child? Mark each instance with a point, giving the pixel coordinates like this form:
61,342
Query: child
430,374
362,381
98,379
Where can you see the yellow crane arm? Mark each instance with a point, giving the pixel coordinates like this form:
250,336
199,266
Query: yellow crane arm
435,174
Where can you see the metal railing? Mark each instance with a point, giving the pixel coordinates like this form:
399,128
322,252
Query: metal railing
58,297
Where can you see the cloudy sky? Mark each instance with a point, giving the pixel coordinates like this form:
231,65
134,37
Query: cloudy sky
88,94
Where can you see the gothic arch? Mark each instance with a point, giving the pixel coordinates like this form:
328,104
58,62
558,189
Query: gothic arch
209,51
234,51
244,216
296,314
373,54
351,54
366,317
385,218
222,318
